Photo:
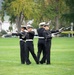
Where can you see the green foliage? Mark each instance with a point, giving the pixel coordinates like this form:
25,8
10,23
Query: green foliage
0,34
69,15
5,9
2,15
39,10
3,32
18,10
70,3
15,7
10,28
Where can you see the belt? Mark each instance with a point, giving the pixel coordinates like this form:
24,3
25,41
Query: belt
41,37
29,39
21,40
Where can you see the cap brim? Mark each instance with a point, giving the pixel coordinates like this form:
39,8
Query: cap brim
46,25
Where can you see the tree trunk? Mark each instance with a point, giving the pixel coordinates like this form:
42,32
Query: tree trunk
57,15
18,25
19,21
57,22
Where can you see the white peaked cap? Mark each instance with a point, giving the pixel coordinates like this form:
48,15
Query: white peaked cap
29,26
49,22
30,21
23,26
42,23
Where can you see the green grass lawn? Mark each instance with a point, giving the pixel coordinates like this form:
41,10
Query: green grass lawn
62,58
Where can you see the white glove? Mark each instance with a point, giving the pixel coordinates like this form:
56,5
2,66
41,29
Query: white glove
53,35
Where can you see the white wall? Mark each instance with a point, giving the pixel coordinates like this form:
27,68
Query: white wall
5,25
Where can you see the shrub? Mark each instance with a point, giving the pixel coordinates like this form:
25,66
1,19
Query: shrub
3,32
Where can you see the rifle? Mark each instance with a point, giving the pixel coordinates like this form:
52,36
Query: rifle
60,30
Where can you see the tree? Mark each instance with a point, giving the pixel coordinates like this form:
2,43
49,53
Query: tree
20,9
52,10
39,10
60,8
45,10
69,14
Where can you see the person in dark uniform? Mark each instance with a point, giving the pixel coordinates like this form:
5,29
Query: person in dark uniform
41,42
29,47
48,38
22,43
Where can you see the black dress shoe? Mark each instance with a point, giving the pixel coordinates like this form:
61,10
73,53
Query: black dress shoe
37,62
22,62
42,62
28,63
48,63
